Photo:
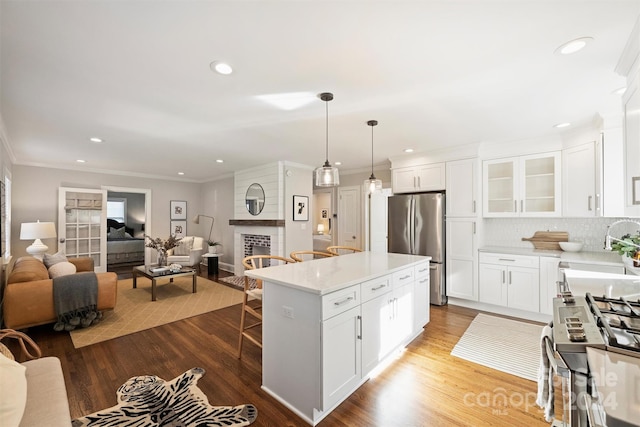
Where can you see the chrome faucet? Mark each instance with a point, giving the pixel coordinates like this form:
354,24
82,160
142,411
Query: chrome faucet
609,238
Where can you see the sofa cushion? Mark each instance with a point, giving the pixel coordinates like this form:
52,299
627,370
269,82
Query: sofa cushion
185,246
47,402
27,269
13,393
50,260
61,269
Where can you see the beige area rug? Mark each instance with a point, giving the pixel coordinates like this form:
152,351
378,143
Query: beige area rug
503,344
136,312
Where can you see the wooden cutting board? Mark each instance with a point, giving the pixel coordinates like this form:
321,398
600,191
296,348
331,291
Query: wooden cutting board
548,239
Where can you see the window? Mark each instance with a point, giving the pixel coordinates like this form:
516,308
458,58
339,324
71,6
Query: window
117,209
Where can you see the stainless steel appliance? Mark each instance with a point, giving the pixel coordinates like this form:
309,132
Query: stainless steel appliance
611,325
416,226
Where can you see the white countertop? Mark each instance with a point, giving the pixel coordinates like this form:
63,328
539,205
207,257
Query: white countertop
617,378
603,284
322,276
602,258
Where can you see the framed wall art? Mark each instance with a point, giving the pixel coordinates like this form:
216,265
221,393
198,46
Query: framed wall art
178,209
178,229
324,213
300,208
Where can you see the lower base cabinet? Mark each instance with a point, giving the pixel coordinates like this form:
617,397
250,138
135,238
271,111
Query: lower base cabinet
510,280
317,358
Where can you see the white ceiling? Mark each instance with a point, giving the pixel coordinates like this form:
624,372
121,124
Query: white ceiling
433,73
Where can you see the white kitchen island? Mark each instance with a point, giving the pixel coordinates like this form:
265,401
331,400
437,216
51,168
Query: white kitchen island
329,322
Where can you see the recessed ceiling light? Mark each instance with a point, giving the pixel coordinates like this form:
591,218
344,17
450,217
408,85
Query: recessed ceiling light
221,67
619,91
96,140
80,161
573,46
338,163
180,173
219,161
562,125
408,150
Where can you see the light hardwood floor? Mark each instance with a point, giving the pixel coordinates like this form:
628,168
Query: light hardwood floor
426,386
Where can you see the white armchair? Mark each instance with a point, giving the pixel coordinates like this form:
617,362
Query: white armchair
188,253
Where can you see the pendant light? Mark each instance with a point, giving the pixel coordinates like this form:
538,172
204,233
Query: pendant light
373,183
327,175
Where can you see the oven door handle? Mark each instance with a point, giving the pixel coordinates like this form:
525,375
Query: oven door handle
555,360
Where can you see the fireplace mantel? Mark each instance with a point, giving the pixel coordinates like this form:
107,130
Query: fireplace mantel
258,222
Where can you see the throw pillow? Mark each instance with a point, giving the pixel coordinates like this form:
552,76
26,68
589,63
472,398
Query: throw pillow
117,233
61,269
185,246
50,260
13,393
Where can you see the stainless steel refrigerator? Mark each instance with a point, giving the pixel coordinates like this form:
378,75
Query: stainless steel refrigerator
416,226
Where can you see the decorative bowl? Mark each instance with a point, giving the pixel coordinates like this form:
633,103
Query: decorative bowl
571,246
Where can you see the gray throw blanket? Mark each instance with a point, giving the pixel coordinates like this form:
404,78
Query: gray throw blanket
75,298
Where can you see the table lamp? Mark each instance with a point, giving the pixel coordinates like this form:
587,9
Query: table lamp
37,230
320,228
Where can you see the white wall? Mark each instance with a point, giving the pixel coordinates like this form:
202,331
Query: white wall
217,201
298,181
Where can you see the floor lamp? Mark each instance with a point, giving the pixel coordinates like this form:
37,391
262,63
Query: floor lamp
37,230
196,220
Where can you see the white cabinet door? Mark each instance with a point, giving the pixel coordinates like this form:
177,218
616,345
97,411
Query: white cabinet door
419,178
523,291
341,356
377,331
548,286
631,101
492,279
462,258
522,186
403,312
404,180
579,181
461,183
431,177
421,292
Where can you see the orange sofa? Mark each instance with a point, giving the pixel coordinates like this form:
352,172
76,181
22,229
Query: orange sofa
28,292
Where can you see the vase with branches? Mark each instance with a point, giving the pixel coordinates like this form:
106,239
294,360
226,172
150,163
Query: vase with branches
161,246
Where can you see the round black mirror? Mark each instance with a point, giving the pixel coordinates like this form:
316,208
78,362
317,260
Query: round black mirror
254,199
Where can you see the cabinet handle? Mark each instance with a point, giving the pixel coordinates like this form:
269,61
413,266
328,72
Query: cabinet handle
423,270
589,202
391,311
509,278
506,259
515,206
597,201
344,301
474,206
423,281
377,288
414,182
521,205
359,335
408,276
418,182
474,228
503,276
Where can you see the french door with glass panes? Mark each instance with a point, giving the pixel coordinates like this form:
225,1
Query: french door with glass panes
82,224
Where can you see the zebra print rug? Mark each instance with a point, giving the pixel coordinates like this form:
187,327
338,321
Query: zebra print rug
151,401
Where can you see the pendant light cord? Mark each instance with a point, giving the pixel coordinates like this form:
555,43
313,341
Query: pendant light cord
371,150
326,104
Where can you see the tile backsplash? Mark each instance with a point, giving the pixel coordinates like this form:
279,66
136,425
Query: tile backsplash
591,231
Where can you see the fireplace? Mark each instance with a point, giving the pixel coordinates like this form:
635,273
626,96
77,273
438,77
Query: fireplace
268,239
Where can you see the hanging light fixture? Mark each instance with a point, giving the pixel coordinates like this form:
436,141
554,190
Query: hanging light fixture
327,175
373,183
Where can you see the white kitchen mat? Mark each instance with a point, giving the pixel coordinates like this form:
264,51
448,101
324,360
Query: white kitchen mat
503,344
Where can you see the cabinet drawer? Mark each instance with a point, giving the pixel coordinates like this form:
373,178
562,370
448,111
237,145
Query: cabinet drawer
375,287
421,270
340,301
403,277
510,260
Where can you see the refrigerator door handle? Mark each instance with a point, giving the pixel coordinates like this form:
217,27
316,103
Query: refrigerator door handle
412,225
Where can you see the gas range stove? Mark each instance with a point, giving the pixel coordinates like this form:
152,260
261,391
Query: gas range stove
619,321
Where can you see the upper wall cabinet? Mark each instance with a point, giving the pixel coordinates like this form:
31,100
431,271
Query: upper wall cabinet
419,178
462,182
580,187
522,186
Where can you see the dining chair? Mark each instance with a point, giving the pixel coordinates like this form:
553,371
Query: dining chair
342,250
255,293
300,256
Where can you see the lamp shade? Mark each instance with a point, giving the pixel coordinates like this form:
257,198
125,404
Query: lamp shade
37,230
320,228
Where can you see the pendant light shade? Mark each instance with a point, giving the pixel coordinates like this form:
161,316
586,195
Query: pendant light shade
327,175
373,183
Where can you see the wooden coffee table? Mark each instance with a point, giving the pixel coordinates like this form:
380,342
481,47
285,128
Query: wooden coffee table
146,271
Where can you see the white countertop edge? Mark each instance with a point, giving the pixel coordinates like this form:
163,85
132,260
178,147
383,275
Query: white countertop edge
326,275
602,258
